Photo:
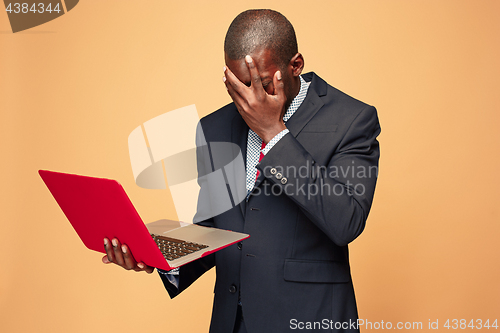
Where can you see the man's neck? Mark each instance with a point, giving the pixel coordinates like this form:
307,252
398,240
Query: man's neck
295,91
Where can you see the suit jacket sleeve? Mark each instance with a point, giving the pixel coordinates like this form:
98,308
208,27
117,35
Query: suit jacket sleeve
342,189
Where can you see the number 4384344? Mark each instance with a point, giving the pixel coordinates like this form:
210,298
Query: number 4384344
35,8
472,324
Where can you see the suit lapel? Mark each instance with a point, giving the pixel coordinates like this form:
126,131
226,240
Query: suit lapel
309,107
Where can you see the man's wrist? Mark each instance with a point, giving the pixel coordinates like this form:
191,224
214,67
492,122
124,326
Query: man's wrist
272,133
274,141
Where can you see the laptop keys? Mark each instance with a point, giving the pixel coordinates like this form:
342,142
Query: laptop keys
173,248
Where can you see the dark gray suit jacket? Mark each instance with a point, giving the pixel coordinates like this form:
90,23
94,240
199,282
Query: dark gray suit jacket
294,268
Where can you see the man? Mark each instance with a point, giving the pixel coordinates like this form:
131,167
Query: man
308,196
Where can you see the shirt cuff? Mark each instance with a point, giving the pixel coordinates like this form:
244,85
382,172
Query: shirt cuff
172,276
174,271
274,141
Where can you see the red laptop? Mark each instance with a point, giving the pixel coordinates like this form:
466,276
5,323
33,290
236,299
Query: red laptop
99,208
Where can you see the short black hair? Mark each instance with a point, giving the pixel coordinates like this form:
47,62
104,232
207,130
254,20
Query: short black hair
257,28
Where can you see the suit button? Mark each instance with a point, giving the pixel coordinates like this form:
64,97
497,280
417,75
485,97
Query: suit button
273,171
240,246
279,176
232,289
283,180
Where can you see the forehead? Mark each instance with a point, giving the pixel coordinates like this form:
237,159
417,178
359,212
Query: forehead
263,61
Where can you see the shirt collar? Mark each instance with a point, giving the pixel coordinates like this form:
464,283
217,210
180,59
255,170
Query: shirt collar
297,101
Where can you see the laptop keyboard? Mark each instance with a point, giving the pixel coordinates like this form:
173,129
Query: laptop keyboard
172,248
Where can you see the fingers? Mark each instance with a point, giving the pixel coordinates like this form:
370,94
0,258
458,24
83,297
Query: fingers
109,252
121,255
234,87
146,268
232,82
117,253
256,84
129,261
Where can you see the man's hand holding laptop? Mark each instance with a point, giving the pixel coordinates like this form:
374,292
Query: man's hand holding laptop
120,255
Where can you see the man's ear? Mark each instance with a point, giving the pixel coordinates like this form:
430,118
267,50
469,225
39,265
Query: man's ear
297,64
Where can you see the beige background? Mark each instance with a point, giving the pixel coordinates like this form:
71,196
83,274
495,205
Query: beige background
72,90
